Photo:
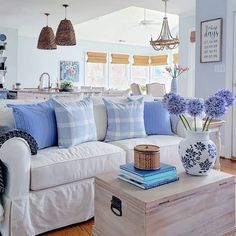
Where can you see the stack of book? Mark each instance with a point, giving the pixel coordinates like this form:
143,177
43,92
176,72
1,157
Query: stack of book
147,179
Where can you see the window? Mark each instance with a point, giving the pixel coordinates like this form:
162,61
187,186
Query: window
159,75
119,77
96,75
119,71
96,69
140,74
157,71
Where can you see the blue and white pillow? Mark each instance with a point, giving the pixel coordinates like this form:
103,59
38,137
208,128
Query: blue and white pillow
125,120
75,122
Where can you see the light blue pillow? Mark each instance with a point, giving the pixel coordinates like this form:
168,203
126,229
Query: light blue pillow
156,119
38,120
125,120
75,122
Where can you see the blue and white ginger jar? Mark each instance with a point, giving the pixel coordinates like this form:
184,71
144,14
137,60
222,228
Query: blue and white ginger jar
197,152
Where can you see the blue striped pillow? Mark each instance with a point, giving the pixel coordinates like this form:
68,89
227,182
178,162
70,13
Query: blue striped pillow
125,120
156,119
75,122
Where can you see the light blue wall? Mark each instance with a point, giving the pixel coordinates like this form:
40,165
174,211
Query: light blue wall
186,24
32,61
11,54
208,80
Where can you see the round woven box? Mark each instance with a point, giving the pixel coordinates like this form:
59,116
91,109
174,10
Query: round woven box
147,157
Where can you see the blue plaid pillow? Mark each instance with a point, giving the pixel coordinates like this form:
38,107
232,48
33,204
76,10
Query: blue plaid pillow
75,122
125,120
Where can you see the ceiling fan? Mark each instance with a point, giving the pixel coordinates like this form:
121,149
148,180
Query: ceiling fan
146,21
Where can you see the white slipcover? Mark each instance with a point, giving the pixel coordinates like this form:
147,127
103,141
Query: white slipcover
54,166
168,147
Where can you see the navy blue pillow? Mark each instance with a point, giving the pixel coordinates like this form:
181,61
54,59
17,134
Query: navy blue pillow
39,120
156,119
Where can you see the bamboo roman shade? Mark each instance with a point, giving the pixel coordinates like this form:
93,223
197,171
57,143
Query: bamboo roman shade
120,59
97,57
141,61
159,60
176,58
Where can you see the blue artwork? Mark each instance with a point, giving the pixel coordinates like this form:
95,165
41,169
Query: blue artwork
69,70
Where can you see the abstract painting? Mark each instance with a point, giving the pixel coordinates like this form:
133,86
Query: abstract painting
69,70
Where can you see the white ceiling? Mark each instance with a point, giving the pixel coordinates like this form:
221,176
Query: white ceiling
28,13
124,26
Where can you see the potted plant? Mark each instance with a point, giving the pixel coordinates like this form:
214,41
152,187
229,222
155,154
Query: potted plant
175,72
197,151
66,86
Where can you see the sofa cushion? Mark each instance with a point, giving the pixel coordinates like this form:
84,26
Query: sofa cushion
124,120
75,122
38,120
54,166
156,119
168,147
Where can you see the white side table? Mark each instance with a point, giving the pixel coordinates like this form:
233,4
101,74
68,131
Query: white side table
215,128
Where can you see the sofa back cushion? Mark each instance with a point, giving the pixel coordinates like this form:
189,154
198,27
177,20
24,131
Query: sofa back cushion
125,120
100,117
75,122
38,120
156,119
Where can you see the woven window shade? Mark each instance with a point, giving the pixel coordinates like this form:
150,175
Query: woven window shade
97,57
159,60
120,59
176,58
141,61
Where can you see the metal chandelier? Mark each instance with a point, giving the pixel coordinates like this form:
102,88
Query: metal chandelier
165,39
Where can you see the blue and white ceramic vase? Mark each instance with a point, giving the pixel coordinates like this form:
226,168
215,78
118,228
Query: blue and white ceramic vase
198,153
174,85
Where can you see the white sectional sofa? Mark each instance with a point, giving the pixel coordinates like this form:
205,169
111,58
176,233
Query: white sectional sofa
55,188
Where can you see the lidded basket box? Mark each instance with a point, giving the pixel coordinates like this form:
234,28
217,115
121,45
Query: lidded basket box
147,157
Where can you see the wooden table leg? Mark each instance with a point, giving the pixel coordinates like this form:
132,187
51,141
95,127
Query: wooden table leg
218,145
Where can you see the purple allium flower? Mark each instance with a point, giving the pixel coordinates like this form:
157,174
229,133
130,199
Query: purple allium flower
175,104
227,96
215,106
167,97
195,107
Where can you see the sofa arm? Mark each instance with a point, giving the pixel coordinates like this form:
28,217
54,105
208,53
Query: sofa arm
15,153
181,131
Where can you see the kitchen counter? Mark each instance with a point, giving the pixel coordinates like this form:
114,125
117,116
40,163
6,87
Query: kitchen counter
46,94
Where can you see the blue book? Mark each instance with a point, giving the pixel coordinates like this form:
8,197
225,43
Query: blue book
147,174
148,186
148,179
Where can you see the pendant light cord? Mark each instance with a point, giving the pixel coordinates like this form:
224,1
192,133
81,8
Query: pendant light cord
65,5
165,7
47,14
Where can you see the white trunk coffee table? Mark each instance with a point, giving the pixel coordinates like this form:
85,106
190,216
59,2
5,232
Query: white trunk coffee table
193,206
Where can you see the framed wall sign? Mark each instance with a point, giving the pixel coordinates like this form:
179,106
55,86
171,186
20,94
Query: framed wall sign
211,40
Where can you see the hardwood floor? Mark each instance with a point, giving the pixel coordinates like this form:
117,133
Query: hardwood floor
85,229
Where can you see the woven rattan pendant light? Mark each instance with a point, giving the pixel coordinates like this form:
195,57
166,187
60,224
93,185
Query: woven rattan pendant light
65,35
46,38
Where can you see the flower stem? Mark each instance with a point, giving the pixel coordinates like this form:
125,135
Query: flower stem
195,123
207,128
187,122
204,126
181,118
